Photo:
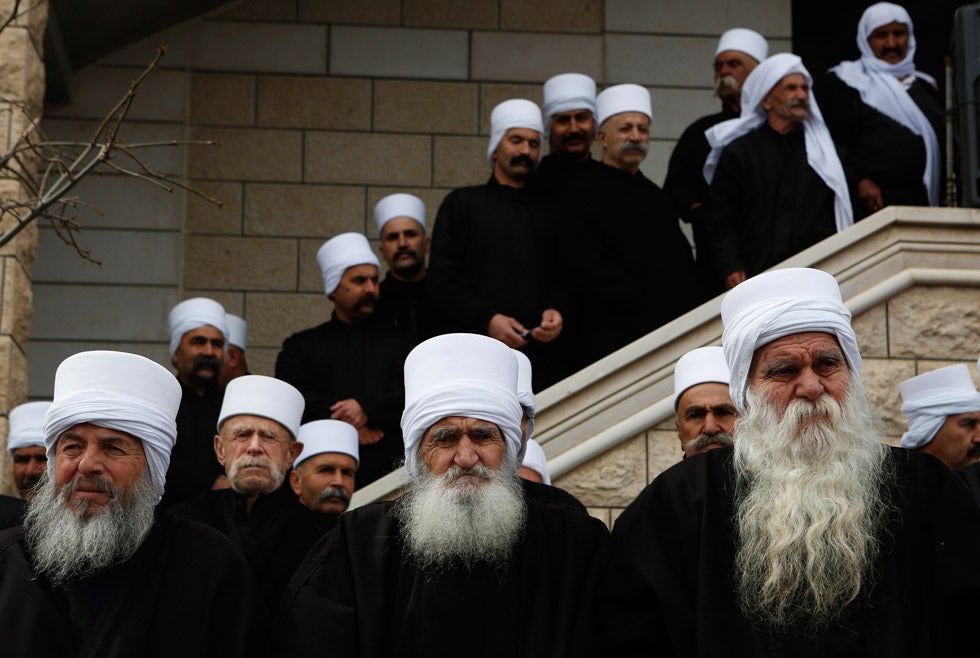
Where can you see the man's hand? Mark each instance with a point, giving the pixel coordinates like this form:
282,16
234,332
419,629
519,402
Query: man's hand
869,194
734,279
367,435
349,411
507,330
551,324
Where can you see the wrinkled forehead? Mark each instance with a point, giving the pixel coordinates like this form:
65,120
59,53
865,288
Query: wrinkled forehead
808,342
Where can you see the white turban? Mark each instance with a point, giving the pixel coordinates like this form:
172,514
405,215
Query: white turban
193,313
745,41
821,154
399,205
268,397
320,436
525,394
460,375
623,98
535,460
567,92
237,331
774,304
515,113
930,398
878,83
27,425
700,366
340,253
118,391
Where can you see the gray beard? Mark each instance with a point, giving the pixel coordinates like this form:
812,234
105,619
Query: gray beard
810,503
448,522
65,547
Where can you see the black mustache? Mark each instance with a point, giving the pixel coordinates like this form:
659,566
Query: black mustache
522,159
578,135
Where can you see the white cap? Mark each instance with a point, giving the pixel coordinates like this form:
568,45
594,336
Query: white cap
237,331
193,313
513,113
27,425
340,253
320,436
566,92
460,375
535,460
268,397
774,304
623,98
928,399
745,41
705,364
399,205
117,391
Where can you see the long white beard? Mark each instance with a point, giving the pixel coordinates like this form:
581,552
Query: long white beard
452,520
66,546
810,503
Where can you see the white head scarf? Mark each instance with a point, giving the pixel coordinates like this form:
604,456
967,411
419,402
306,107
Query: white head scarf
459,375
623,98
320,436
268,397
878,83
745,41
821,154
535,460
930,398
237,331
27,425
700,366
193,313
514,113
340,253
399,205
525,395
567,92
774,304
121,392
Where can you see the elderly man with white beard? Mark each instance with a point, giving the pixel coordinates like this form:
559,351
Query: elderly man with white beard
470,560
94,572
810,537
256,444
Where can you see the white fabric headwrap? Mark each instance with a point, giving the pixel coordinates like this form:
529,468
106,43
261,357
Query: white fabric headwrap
878,83
535,460
237,331
320,436
821,154
340,253
774,304
700,366
27,425
623,98
745,41
525,395
566,92
193,313
399,205
459,375
513,113
117,391
929,399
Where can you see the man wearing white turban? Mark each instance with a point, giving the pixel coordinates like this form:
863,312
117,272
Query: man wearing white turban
494,248
739,51
94,571
809,537
943,412
886,116
469,537
777,185
703,409
629,264
349,368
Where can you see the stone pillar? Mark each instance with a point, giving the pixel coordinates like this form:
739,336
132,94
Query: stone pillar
22,87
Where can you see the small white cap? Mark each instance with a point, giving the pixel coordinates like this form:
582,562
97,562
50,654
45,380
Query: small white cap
535,460
399,205
267,397
193,313
705,364
745,41
27,425
340,253
568,91
513,113
237,331
320,436
930,398
623,98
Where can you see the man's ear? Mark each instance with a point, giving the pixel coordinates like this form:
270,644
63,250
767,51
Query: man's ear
294,451
294,481
219,449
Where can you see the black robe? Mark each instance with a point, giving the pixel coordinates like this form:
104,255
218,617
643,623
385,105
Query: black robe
408,307
11,511
631,266
670,590
969,477
553,173
357,594
274,537
193,464
877,147
336,361
185,592
494,251
766,203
